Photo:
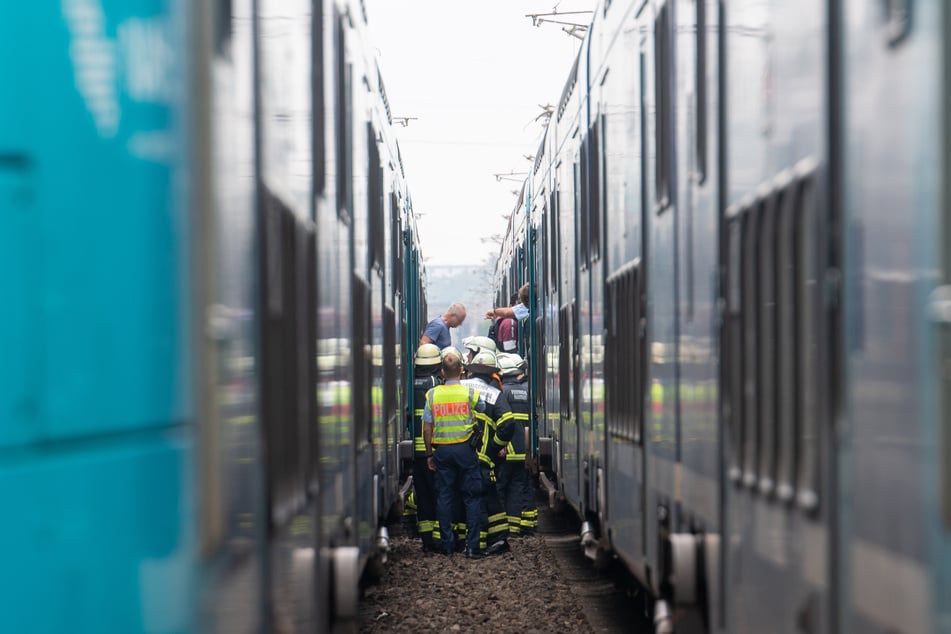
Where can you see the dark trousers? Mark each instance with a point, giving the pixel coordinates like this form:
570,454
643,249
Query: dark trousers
457,475
493,513
512,481
424,487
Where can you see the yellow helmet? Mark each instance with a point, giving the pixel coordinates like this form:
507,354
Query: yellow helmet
428,354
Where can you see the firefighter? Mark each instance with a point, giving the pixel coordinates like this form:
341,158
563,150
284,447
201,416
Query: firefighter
497,429
427,364
515,488
475,345
448,433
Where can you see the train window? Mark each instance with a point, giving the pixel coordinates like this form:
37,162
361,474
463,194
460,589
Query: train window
553,241
623,354
767,343
581,205
564,360
318,130
809,317
701,89
396,244
538,358
343,124
362,361
663,129
375,202
788,344
390,383
287,335
642,102
596,159
750,319
734,347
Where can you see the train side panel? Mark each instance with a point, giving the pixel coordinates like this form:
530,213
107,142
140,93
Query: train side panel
96,449
891,526
777,348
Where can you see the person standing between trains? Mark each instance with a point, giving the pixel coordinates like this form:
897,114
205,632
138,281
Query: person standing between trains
506,330
515,488
519,311
427,365
497,428
437,331
448,427
474,345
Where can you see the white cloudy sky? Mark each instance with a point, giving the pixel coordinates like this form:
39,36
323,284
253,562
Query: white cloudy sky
474,75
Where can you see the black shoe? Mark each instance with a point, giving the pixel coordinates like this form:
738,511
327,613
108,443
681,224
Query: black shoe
460,546
498,548
475,554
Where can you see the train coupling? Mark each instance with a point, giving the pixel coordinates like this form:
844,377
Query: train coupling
694,562
382,544
550,488
663,619
589,541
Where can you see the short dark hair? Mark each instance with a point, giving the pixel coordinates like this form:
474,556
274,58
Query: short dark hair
451,366
523,294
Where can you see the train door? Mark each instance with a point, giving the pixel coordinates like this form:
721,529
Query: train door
662,431
550,370
570,378
584,309
593,338
943,566
536,350
695,73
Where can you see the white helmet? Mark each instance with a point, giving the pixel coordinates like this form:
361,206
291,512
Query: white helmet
479,343
484,362
428,354
450,350
510,364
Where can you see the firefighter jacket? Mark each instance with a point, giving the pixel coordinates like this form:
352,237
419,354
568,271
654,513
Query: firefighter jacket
421,385
498,423
516,392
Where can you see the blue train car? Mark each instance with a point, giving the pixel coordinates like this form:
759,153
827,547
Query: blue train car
739,228
214,278
98,462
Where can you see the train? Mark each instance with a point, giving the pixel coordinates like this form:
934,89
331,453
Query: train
736,230
214,286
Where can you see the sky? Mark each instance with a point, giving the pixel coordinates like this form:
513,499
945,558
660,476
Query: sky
473,76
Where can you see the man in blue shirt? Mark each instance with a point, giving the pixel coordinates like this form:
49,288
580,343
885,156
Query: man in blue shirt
519,311
437,331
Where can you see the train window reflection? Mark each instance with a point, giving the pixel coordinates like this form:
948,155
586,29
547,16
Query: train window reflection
750,319
809,372
734,346
787,315
767,342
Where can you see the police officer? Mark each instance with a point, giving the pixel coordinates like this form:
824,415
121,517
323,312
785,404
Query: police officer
448,427
515,488
427,375
497,429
